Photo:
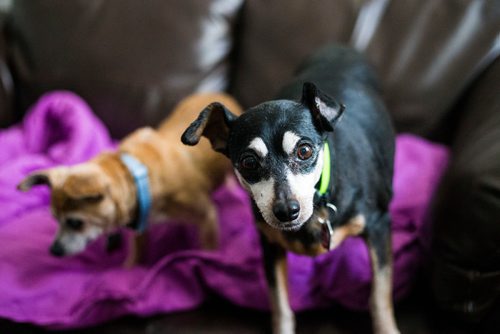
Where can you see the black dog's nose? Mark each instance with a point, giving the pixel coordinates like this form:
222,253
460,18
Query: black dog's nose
57,249
286,211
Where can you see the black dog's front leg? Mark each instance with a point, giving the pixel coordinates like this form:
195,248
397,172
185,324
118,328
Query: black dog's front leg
378,238
275,266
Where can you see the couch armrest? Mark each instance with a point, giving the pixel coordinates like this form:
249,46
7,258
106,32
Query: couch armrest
6,83
466,270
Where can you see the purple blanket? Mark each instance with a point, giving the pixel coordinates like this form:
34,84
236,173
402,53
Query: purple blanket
93,287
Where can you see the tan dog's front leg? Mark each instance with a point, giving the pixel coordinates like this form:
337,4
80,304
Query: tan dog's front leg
275,265
209,228
136,249
381,306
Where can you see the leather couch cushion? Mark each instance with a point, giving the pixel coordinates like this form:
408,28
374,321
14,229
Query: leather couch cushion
426,52
131,60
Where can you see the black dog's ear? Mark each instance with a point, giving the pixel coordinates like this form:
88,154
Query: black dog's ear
325,110
214,123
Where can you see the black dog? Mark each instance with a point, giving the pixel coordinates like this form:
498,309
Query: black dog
316,174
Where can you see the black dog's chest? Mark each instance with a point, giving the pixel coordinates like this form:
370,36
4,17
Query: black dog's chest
312,239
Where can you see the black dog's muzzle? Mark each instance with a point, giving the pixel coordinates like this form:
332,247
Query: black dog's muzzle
286,210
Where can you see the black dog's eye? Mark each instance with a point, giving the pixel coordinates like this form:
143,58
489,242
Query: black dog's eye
74,224
249,162
304,151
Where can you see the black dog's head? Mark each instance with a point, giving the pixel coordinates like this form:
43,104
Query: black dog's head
276,149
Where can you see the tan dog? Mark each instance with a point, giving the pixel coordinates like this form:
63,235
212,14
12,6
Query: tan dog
100,195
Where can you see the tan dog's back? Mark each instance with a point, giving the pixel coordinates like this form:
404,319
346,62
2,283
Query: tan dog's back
183,177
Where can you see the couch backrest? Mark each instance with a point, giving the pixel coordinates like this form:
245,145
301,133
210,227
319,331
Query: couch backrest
427,52
131,60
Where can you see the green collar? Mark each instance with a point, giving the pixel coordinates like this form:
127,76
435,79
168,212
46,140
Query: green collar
324,181
321,199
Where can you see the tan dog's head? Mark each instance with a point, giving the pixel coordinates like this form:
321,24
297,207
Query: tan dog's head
80,201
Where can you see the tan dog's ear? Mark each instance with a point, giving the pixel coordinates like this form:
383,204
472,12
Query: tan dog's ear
52,177
34,179
85,187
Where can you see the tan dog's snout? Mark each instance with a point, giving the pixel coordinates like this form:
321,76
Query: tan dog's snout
57,249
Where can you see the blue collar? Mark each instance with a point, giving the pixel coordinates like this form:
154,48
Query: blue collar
140,174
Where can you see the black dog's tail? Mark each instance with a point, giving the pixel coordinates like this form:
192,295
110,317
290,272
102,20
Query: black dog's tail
345,62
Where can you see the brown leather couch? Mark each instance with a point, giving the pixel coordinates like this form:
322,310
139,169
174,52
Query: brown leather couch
438,60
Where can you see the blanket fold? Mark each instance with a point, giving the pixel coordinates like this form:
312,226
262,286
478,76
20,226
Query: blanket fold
93,287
